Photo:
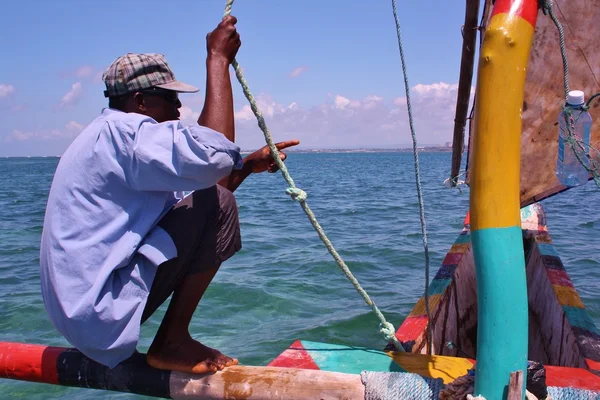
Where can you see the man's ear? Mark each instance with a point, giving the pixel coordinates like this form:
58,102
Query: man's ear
139,102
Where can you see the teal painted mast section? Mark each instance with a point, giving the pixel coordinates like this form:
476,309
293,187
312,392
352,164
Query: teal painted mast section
502,330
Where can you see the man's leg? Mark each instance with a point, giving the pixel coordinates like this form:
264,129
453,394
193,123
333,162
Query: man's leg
205,229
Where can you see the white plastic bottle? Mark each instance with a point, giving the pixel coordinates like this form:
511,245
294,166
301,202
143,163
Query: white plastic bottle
569,170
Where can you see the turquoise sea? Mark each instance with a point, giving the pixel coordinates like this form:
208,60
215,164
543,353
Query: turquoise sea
283,285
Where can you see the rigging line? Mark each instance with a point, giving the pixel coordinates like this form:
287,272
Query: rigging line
385,327
417,178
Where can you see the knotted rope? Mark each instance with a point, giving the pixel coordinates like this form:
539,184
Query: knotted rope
386,328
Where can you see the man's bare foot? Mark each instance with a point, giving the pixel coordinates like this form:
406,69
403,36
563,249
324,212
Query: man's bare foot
187,356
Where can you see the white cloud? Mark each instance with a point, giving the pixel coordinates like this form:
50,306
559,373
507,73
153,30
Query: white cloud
341,102
84,71
244,114
193,100
374,98
400,101
340,121
267,106
6,90
74,126
21,136
345,122
187,116
296,72
437,89
372,101
72,95
72,129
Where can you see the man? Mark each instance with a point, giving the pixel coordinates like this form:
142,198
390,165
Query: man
119,237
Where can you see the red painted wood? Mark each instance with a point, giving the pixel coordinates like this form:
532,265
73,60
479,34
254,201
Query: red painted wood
295,356
571,377
412,328
526,9
595,365
558,277
452,258
29,362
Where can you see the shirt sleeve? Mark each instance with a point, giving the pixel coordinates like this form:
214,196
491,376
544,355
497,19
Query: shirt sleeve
170,157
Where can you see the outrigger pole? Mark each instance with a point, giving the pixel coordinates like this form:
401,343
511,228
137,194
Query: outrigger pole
69,367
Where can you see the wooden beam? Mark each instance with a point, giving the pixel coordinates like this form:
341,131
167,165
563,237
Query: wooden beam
69,367
464,85
240,382
515,386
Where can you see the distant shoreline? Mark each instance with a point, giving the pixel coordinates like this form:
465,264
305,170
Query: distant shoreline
425,149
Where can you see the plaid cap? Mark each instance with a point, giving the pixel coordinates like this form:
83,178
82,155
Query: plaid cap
133,72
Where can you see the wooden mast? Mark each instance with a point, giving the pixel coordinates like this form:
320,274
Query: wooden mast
464,86
497,238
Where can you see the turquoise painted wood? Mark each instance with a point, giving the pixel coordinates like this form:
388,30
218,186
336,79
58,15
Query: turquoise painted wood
350,360
502,334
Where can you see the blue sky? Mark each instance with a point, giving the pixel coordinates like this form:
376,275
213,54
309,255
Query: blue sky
325,72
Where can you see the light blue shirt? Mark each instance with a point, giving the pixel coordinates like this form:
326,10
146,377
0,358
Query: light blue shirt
100,244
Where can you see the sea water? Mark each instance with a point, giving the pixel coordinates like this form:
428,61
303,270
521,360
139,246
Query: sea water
283,285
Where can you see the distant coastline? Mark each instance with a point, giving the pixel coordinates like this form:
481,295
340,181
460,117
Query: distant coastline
422,149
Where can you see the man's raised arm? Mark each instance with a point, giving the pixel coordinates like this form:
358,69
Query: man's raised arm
222,45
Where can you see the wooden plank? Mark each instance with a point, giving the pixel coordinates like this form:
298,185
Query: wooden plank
551,339
446,368
353,360
515,386
571,377
239,382
295,356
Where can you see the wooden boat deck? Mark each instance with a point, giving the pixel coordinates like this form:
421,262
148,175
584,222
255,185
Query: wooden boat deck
352,360
561,331
563,337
